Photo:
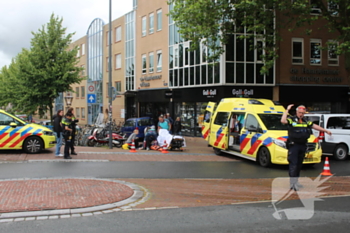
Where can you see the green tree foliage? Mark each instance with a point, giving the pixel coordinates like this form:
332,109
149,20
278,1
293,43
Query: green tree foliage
215,20
36,76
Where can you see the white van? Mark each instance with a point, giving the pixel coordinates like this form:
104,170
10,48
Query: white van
339,124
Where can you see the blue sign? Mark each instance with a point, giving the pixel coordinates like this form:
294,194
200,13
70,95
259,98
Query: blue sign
91,98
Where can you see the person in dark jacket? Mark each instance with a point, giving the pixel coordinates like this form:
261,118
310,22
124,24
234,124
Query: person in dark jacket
299,130
57,128
67,133
177,126
150,136
74,125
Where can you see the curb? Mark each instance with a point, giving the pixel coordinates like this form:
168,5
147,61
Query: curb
140,196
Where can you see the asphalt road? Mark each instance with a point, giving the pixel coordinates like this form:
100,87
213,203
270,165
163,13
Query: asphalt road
159,170
329,216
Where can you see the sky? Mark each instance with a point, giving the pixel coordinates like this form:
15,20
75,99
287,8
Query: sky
18,18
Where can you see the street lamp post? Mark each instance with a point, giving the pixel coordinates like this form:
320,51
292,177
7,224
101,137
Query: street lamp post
110,74
69,99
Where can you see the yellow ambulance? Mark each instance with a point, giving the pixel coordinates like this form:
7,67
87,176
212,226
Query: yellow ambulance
252,129
17,134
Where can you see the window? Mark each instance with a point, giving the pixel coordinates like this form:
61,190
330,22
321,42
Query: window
118,34
186,53
315,8
83,113
130,123
259,51
338,123
83,92
251,123
176,56
159,20
118,86
107,38
82,49
144,122
204,51
333,58
333,8
144,64
77,92
272,121
78,52
107,64
118,61
6,120
159,61
315,52
221,118
151,62
144,25
77,112
83,70
297,51
151,23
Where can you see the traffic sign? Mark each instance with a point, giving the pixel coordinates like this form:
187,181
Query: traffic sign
91,98
91,88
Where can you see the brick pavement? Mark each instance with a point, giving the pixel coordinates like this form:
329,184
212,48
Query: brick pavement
51,194
207,192
196,150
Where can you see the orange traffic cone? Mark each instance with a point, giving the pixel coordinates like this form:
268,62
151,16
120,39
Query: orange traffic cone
164,149
132,146
326,169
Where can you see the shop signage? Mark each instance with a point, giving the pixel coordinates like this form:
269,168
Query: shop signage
242,92
209,93
144,80
323,75
168,94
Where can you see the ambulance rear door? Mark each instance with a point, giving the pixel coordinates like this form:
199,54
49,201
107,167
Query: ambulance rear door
218,136
207,119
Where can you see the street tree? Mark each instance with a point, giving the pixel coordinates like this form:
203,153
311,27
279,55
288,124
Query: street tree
13,88
212,22
39,74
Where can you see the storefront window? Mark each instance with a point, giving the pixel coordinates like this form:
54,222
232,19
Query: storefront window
192,117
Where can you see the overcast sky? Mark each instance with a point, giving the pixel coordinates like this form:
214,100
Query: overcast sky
18,18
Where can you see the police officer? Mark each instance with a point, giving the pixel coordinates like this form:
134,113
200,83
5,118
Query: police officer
74,126
299,131
67,133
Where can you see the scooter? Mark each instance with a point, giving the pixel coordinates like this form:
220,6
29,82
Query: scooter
101,137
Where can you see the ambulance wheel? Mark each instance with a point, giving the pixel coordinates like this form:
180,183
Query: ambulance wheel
264,157
340,152
33,145
217,151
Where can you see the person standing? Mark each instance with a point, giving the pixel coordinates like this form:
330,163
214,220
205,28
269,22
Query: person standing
163,124
74,127
171,121
177,126
299,130
67,133
57,128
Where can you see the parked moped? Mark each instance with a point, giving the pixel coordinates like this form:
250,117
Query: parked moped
100,136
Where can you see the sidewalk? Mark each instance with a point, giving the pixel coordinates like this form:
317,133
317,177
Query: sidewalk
196,150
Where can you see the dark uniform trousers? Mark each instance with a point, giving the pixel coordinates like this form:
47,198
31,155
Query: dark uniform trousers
68,141
296,154
72,141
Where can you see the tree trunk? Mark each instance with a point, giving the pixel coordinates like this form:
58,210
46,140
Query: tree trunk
50,106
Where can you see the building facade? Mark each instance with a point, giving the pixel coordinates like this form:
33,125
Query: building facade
154,72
